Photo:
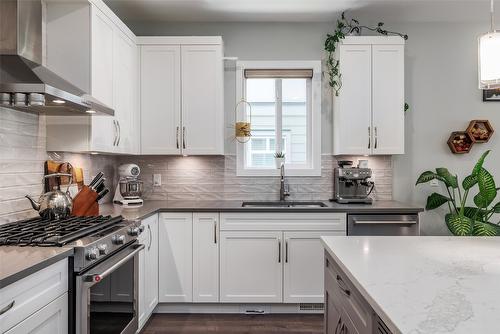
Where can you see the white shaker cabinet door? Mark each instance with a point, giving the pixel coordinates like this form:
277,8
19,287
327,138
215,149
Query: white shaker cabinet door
151,258
202,99
148,269
161,99
205,257
175,257
352,108
51,319
388,99
104,129
304,266
126,93
142,288
251,267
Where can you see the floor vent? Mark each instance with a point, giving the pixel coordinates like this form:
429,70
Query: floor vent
312,307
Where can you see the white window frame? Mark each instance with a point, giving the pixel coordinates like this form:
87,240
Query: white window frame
314,118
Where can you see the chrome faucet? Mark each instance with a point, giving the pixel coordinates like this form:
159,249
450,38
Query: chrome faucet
284,190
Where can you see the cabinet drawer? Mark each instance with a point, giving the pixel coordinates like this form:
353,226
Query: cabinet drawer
32,293
351,301
283,221
51,319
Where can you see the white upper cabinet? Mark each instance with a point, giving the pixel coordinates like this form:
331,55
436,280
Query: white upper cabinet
102,36
202,100
182,93
160,99
352,108
369,111
126,93
388,99
108,72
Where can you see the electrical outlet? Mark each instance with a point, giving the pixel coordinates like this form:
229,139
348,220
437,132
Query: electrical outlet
434,183
156,180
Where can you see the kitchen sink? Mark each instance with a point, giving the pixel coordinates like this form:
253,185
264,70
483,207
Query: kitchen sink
283,204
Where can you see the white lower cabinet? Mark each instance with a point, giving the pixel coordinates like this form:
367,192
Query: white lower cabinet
175,259
51,319
205,257
211,257
148,269
251,266
303,279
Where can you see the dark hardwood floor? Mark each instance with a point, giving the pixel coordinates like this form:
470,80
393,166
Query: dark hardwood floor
234,323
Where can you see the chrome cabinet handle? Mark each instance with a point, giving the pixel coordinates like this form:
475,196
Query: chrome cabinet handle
339,323
342,287
184,137
215,232
150,237
376,138
119,133
286,251
8,307
279,250
369,137
177,137
115,133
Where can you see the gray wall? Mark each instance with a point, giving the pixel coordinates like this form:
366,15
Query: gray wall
441,88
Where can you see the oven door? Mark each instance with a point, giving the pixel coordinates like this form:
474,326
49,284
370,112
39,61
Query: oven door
107,294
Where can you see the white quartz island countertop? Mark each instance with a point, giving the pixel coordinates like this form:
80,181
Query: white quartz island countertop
425,285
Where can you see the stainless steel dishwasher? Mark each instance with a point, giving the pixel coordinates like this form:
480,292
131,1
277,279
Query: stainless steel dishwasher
388,224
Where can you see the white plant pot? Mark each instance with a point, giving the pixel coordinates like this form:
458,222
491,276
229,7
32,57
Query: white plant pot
279,161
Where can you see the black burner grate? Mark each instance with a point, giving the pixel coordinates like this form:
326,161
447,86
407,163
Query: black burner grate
43,232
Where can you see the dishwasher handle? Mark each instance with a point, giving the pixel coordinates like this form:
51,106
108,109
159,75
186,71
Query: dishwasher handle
374,221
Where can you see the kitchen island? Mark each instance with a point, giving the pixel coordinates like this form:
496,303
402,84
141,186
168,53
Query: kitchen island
412,285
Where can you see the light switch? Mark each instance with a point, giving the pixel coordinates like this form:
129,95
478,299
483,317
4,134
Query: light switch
156,180
434,183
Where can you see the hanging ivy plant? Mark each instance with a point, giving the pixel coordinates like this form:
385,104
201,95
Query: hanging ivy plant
347,27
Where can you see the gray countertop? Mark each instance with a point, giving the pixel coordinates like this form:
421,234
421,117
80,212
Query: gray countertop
19,262
152,207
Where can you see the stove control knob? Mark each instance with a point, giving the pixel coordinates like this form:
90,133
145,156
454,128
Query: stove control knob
134,231
118,239
92,254
103,249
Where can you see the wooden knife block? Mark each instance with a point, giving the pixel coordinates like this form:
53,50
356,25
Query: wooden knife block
84,203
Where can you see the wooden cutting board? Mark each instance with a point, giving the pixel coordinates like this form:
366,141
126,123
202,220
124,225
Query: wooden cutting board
52,167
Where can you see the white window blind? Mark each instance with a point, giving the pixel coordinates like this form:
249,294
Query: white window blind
279,73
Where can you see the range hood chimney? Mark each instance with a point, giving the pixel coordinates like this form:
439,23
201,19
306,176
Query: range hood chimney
25,84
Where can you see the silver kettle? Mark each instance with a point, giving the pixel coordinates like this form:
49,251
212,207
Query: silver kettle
54,204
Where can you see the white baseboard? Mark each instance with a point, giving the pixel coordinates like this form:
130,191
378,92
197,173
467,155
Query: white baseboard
232,308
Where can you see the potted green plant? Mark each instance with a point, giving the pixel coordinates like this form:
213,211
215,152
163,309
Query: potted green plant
463,219
279,158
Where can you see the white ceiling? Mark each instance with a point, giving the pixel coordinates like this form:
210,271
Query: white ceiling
297,10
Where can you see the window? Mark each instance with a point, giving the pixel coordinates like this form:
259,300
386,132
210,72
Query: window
285,101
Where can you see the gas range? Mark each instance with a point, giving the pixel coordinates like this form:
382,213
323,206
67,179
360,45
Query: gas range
93,238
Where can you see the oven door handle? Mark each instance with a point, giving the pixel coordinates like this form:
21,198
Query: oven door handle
94,278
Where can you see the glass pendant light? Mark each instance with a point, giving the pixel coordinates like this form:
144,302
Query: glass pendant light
489,57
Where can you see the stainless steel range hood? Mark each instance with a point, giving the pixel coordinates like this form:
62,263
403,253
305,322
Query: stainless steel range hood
25,84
